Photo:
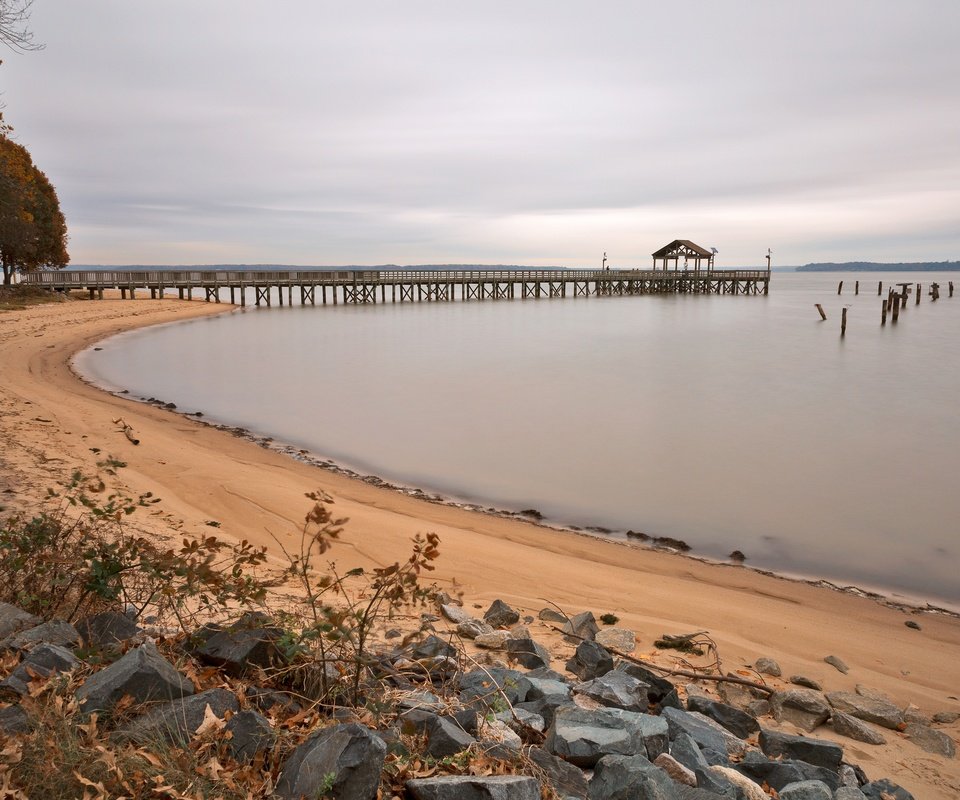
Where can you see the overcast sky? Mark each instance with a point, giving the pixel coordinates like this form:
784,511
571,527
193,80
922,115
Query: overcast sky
315,132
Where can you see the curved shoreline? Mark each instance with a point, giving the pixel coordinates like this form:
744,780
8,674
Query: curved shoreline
52,422
885,596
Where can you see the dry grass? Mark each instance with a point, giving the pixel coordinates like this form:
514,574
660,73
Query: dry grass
17,298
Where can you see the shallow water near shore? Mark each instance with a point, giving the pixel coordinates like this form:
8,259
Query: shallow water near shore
728,422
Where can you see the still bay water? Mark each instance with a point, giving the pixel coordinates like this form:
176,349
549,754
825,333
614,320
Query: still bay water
728,422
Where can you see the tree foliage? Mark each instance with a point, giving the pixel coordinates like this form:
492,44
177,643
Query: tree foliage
33,232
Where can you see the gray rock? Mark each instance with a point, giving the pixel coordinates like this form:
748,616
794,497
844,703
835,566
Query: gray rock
806,790
472,628
178,720
487,688
877,711
661,691
687,752
433,647
837,663
43,661
808,683
445,737
873,694
621,777
849,793
583,736
805,708
500,615
13,620
344,762
269,700
931,740
468,787
552,615
454,613
249,642
547,687
527,652
14,720
492,641
617,690
567,780
590,660
583,626
855,729
780,773
420,699
54,632
249,733
818,752
106,629
884,790
848,776
620,639
946,717
738,722
704,731
767,666
142,673
915,715
520,718
545,707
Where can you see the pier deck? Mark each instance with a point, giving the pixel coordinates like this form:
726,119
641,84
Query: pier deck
401,285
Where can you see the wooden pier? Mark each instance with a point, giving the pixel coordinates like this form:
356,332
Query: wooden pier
310,287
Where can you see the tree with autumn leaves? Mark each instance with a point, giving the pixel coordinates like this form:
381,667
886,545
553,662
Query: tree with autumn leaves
33,232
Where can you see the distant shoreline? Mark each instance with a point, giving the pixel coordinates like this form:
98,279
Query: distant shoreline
871,266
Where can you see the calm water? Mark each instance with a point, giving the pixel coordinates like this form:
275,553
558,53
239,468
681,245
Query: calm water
728,422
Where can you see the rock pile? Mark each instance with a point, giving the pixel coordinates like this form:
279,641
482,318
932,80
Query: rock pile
605,729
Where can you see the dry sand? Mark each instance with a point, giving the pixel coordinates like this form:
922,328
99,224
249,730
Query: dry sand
50,420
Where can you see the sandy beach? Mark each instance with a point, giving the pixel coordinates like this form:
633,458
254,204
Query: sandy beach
50,422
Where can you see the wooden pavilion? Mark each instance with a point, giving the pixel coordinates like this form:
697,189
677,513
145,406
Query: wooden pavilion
685,249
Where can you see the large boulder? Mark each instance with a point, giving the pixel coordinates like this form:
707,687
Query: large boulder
446,737
621,777
500,615
493,688
248,732
931,740
343,762
738,722
885,790
782,772
178,720
704,731
143,674
580,627
855,729
583,736
617,690
805,708
469,787
870,709
806,790
818,752
56,631
14,720
527,652
248,643
567,780
13,620
43,661
106,629
590,660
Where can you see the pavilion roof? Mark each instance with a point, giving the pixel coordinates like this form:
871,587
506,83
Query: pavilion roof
682,247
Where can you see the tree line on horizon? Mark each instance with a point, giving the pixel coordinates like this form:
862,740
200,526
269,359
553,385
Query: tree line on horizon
874,266
33,231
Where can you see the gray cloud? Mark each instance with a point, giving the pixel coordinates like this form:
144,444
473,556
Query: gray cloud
315,132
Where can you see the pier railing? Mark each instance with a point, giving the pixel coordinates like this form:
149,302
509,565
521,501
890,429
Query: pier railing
371,285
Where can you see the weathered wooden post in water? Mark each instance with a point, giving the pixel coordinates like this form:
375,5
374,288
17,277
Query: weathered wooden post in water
856,288
934,291
823,314
843,322
879,288
840,288
950,286
896,307
918,294
883,313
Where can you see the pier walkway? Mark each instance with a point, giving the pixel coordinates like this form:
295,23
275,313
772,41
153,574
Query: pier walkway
401,285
